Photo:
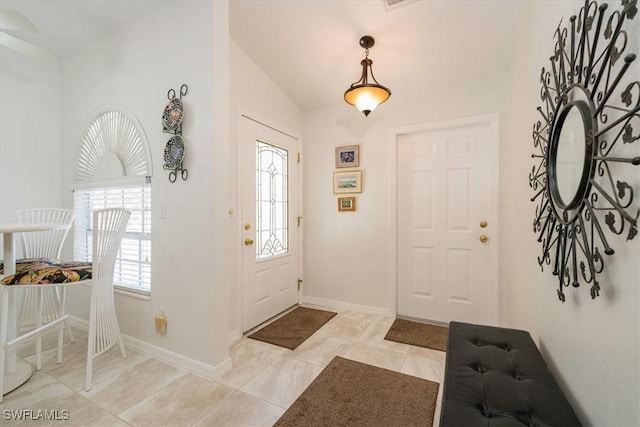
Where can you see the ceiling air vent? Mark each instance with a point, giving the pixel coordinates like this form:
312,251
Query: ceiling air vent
394,4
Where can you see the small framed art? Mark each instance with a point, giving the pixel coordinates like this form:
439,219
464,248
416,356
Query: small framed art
348,156
346,204
347,182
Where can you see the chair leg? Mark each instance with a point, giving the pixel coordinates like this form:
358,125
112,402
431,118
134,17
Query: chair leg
61,312
38,325
92,335
68,327
120,342
122,351
4,317
62,302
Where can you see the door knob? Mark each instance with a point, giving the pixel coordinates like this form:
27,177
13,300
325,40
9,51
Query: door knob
484,238
248,242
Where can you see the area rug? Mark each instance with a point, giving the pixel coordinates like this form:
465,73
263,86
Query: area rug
348,393
418,334
293,328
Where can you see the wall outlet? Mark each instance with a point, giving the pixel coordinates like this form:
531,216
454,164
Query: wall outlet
161,324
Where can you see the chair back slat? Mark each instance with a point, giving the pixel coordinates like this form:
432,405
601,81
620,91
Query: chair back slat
109,226
44,244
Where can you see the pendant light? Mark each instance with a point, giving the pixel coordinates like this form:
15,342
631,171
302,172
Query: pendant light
366,95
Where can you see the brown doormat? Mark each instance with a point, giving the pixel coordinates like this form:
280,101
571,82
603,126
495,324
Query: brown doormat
293,328
419,334
348,393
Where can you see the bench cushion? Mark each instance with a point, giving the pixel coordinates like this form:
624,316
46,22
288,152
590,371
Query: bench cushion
51,273
497,377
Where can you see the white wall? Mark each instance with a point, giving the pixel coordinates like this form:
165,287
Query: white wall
347,256
29,133
185,42
593,346
253,93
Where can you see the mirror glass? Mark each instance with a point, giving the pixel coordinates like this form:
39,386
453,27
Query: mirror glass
570,155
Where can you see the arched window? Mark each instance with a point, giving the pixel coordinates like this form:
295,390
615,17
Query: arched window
114,169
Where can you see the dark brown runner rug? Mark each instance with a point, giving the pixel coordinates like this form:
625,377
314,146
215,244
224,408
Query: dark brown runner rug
293,328
348,393
419,334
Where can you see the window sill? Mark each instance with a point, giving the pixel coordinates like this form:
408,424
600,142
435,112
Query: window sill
132,294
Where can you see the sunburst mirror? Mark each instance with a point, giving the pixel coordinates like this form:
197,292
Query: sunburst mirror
587,135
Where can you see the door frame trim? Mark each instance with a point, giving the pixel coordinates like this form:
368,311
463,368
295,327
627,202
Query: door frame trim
240,114
394,133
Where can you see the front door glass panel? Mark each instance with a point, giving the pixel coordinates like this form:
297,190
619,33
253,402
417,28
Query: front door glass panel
272,213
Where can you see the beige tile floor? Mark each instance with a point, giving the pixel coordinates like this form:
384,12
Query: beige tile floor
264,381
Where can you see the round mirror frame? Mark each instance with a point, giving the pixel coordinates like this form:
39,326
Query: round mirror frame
567,212
587,73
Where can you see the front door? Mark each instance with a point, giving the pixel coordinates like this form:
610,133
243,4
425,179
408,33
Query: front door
269,175
446,222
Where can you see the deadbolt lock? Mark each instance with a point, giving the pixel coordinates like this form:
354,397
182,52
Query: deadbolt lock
248,242
484,238
247,226
483,224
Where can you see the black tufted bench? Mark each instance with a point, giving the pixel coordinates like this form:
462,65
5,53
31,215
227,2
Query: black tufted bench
497,377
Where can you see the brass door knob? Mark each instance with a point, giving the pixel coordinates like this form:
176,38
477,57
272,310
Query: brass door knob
248,242
484,238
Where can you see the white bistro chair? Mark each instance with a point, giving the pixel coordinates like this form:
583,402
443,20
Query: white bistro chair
43,244
109,226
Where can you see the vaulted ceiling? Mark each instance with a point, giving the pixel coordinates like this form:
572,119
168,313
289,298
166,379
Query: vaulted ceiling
309,48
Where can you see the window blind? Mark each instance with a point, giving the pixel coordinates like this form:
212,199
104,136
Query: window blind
133,263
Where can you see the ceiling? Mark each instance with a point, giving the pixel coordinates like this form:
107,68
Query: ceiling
69,25
310,49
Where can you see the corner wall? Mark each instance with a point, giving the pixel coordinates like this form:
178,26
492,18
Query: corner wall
592,346
135,67
251,92
29,133
348,255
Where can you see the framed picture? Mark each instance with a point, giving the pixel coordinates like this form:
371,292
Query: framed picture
348,156
346,204
347,182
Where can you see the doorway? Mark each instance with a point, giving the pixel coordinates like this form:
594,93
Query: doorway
447,189
269,175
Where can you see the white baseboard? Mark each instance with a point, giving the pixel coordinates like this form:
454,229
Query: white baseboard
347,306
194,366
234,336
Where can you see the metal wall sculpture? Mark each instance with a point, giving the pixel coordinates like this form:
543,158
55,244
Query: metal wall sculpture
588,134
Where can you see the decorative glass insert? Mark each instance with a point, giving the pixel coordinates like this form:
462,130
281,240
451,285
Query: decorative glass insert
272,201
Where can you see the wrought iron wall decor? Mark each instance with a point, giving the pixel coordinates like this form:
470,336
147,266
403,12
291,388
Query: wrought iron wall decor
589,130
172,123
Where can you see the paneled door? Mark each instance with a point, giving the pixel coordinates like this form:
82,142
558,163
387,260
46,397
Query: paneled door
269,180
447,190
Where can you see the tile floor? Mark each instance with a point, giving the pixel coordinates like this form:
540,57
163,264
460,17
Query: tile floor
264,381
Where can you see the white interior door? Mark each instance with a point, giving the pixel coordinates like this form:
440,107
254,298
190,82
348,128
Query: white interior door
447,187
269,176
